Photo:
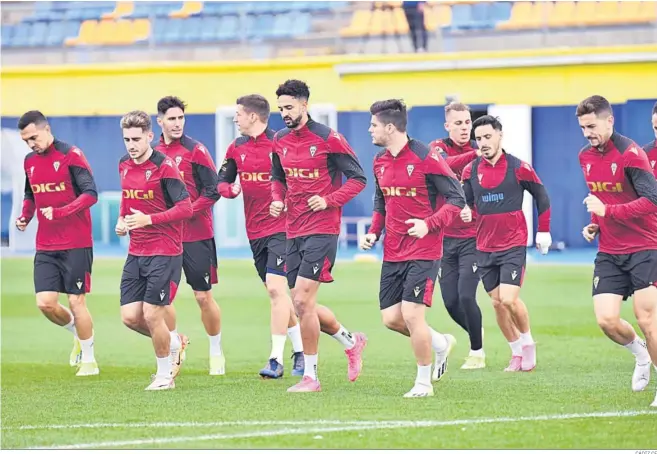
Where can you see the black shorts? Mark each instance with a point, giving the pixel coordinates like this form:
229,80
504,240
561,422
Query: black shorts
503,267
63,271
411,281
312,257
200,264
624,274
269,255
153,279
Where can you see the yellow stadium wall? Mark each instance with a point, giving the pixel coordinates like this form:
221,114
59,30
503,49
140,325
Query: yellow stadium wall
77,90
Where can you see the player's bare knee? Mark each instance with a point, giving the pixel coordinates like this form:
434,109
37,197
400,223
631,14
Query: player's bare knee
608,323
77,302
203,299
130,319
275,293
497,303
47,304
392,321
507,302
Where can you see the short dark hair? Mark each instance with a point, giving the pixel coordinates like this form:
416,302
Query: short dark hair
33,116
168,102
391,111
295,88
595,104
654,109
256,104
487,120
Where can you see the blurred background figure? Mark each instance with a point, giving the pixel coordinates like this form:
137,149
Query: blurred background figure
414,12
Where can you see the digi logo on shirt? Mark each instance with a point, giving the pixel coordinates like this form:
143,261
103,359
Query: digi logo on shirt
254,176
603,186
48,187
302,173
492,197
138,194
393,191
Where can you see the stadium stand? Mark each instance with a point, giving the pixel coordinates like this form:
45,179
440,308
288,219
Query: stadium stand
329,27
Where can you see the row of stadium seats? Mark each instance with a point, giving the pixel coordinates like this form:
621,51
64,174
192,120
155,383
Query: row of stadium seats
48,11
164,30
528,15
389,18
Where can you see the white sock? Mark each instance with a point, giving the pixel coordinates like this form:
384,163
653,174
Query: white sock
639,350
526,338
310,366
277,347
295,337
438,341
345,338
70,325
423,375
163,367
175,344
215,345
516,347
88,350
478,353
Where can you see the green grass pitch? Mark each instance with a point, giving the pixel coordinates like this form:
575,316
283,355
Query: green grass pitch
578,397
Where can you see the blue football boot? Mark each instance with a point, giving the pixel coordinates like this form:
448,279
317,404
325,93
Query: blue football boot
273,369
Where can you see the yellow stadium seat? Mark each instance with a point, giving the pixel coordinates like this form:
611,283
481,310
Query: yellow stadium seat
141,30
188,9
359,23
121,9
605,13
630,12
399,21
648,11
437,16
562,15
87,28
523,15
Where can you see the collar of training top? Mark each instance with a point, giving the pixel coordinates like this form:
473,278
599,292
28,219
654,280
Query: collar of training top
609,145
404,149
489,164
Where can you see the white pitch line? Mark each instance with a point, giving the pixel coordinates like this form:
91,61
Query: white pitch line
348,426
129,425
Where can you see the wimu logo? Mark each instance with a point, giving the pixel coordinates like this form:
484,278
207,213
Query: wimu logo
492,197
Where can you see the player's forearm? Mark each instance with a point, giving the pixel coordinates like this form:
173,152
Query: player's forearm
29,208
634,209
278,190
443,217
378,222
343,195
544,221
203,203
179,212
84,201
226,190
458,162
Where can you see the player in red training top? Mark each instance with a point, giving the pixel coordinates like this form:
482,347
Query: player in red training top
622,201
60,189
494,186
651,147
458,267
308,163
249,157
154,204
199,251
411,179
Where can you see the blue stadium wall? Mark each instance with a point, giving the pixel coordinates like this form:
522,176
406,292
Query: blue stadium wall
556,142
